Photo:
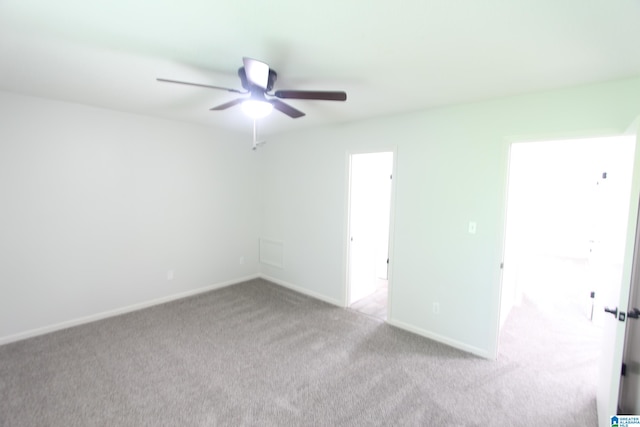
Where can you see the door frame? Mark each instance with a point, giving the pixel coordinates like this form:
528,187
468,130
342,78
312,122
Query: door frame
347,222
633,221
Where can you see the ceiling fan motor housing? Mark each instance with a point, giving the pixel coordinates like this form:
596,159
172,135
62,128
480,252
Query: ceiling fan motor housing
273,76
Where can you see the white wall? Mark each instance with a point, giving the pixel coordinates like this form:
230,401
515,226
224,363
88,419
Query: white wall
97,206
451,169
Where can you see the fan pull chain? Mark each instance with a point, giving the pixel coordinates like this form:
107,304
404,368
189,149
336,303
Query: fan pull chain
256,143
255,135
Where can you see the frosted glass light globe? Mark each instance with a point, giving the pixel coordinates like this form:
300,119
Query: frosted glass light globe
257,109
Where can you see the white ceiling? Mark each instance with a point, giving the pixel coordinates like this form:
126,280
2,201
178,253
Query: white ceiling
389,56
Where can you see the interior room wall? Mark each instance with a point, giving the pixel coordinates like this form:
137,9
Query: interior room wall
451,170
99,206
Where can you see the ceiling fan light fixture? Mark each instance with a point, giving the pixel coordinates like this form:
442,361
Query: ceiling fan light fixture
257,80
257,109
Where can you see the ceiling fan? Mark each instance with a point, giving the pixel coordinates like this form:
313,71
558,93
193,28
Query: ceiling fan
258,79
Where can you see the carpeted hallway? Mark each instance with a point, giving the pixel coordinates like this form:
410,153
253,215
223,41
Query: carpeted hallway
259,354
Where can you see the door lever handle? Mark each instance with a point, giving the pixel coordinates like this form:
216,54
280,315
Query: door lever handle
634,313
613,311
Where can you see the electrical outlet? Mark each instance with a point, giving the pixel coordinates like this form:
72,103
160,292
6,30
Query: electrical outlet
241,260
170,275
436,308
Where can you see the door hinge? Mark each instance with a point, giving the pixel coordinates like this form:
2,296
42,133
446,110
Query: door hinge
623,371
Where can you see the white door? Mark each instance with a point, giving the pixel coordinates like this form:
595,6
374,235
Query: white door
617,302
369,206
629,400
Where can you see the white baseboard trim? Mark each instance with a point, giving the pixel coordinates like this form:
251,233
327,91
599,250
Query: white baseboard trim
396,323
303,290
118,311
441,339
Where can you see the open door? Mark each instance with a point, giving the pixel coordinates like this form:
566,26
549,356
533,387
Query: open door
617,304
629,400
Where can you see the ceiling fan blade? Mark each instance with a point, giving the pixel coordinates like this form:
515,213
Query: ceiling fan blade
312,94
227,104
257,72
286,109
200,85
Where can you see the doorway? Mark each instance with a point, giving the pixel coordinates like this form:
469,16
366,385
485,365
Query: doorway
567,208
370,179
